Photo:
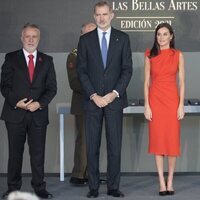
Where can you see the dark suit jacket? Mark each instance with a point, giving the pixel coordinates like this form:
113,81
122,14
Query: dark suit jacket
116,75
16,85
75,85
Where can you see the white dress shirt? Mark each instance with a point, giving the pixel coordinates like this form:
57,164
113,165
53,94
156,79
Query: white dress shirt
26,54
107,36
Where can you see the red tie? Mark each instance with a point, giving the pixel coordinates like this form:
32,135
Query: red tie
31,67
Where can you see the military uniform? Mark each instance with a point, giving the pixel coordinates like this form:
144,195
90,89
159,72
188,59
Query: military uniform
80,159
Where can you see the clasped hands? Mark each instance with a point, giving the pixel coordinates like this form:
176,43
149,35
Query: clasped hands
28,104
105,100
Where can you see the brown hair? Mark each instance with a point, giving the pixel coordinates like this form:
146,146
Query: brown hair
156,48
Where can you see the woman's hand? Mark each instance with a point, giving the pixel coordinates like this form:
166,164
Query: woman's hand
180,112
148,113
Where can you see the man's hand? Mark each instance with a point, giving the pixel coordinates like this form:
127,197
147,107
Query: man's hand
99,101
23,103
110,97
33,106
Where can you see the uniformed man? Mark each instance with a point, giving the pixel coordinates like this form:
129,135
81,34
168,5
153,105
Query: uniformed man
79,172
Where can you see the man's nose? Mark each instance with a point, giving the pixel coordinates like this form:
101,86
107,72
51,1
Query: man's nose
31,39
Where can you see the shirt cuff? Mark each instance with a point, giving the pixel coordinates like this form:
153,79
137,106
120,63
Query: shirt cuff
117,93
91,96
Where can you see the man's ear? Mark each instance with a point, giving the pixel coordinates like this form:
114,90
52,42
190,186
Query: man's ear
21,38
112,15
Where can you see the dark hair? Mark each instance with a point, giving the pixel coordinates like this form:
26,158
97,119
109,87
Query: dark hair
103,3
156,48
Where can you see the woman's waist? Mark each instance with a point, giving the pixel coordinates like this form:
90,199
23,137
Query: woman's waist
166,88
164,83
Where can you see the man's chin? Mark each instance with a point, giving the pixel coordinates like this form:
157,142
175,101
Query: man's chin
30,50
103,27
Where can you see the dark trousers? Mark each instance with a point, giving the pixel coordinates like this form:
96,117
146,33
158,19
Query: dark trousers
113,126
80,157
36,136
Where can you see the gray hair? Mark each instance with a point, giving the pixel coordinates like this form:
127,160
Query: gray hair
103,3
29,25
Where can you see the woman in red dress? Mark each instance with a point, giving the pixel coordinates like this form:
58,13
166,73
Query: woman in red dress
164,102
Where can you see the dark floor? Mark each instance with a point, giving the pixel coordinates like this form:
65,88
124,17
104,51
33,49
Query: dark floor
135,187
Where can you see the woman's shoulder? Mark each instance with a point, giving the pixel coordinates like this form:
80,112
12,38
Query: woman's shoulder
179,54
174,52
177,51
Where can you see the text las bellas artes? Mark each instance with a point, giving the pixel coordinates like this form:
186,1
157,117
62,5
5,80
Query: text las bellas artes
157,5
164,5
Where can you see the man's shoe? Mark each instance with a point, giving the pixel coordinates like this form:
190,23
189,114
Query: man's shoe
93,194
44,194
78,181
115,193
5,195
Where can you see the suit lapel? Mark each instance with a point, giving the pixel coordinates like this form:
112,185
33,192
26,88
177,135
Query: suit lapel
97,49
111,48
38,66
23,64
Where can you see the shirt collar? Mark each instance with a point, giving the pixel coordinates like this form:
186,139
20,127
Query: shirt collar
26,53
101,31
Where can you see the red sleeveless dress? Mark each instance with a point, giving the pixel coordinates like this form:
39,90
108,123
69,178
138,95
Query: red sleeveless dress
164,129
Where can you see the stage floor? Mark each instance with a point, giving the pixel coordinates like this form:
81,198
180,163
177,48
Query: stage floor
135,187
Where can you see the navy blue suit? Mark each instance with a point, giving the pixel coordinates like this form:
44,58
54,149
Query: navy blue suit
95,79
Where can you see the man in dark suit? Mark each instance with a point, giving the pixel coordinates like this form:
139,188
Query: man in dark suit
79,172
105,69
28,84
